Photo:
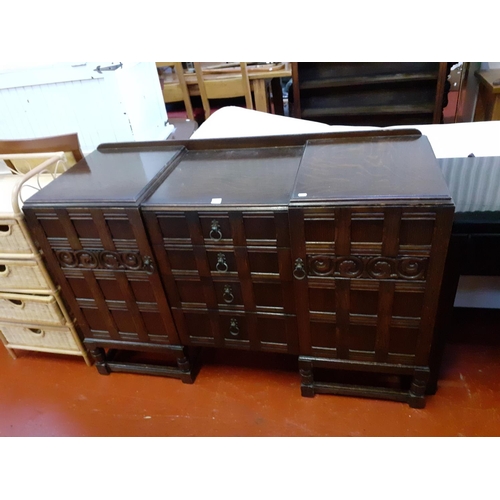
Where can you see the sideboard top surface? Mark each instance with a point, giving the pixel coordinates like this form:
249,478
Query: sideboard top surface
109,177
254,176
396,168
296,170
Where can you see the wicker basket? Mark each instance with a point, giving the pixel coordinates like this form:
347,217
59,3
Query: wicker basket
22,275
48,337
24,308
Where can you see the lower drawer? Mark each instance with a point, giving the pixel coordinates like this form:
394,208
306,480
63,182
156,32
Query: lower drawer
235,329
22,275
25,308
51,337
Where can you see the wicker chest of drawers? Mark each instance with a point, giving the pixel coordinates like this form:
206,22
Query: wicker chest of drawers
330,248
32,316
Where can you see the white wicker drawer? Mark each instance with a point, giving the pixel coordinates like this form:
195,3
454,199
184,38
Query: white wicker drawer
30,308
22,275
12,239
48,337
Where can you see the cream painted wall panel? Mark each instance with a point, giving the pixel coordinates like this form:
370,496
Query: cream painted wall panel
115,106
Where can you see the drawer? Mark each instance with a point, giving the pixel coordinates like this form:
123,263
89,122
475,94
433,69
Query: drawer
260,261
216,294
22,275
50,337
225,228
223,328
12,237
27,308
223,261
220,294
245,228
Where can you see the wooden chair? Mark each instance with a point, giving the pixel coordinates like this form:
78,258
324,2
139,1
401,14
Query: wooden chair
69,144
223,86
175,89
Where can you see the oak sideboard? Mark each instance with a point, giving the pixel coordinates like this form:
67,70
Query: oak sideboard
327,247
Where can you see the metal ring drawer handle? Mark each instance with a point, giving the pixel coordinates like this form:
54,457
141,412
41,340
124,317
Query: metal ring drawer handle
215,232
228,294
148,264
234,329
221,263
299,272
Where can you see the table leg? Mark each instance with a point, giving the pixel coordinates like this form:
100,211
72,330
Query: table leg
260,95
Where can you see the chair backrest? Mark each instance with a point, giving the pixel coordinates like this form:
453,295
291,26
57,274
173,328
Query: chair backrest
174,87
223,86
69,144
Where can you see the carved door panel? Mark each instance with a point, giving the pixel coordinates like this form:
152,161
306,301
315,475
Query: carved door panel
365,280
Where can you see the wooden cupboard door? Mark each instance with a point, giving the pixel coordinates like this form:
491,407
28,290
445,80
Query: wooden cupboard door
105,266
367,280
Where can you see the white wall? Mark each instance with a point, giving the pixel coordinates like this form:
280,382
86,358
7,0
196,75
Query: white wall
116,106
490,65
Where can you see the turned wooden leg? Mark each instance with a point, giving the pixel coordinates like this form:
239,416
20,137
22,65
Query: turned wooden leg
418,386
306,379
99,356
185,367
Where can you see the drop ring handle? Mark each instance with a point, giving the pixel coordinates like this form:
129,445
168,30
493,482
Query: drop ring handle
148,264
221,263
299,272
228,295
215,232
234,329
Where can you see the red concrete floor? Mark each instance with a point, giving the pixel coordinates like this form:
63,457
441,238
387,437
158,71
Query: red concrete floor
242,394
